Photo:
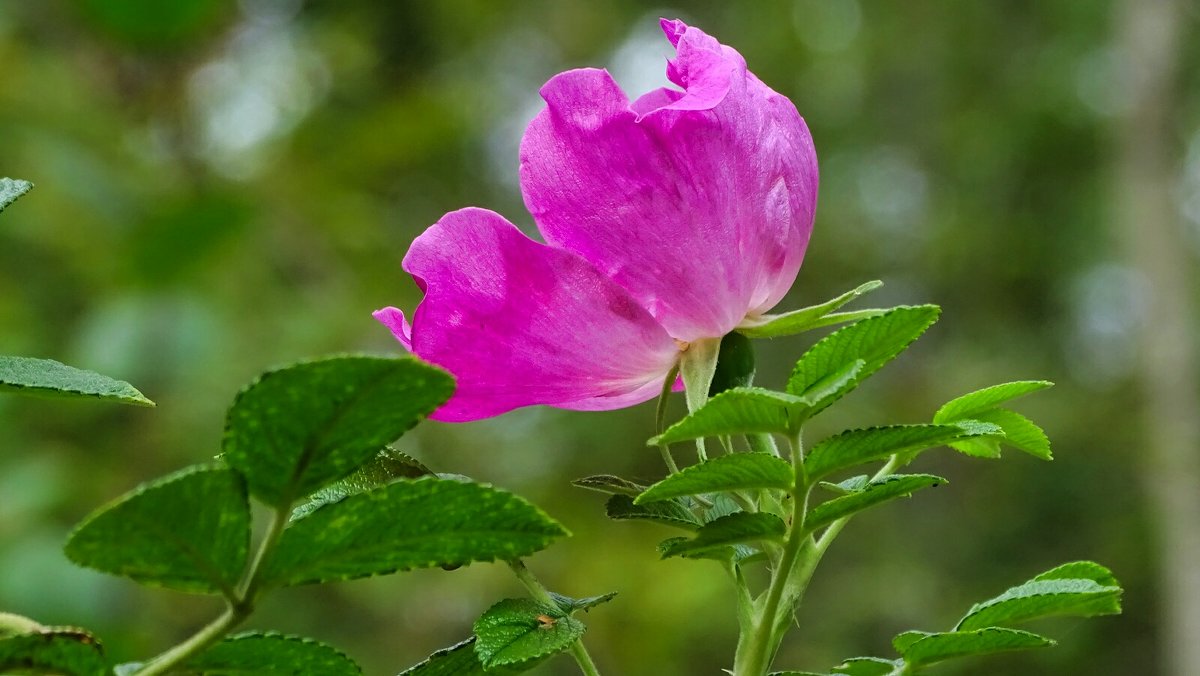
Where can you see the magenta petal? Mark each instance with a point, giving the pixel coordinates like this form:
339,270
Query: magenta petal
394,319
699,203
521,323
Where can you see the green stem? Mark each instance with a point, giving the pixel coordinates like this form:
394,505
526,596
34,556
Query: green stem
791,577
660,417
239,607
697,364
540,593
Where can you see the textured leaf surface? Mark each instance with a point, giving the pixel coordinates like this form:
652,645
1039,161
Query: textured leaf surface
53,651
11,189
46,377
189,531
409,524
271,654
669,512
1081,570
737,528
386,467
939,647
301,427
1044,598
804,319
974,403
523,631
855,447
875,492
875,341
457,660
725,473
742,410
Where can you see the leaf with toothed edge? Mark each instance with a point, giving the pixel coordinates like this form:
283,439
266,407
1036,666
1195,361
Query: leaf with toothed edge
12,189
48,378
270,654
54,650
804,319
444,523
518,632
725,473
734,529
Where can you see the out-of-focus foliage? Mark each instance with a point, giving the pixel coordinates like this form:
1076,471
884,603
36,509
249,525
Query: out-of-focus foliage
225,186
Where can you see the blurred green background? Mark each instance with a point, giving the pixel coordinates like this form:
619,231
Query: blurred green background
227,186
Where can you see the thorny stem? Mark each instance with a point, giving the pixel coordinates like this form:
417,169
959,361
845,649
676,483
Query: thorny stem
239,606
540,593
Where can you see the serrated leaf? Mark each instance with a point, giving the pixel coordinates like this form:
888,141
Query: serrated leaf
1044,598
55,650
804,319
301,427
520,631
866,666
855,447
733,529
271,654
875,492
1019,432
970,405
612,485
11,189
904,639
735,364
742,410
669,512
876,341
48,378
738,471
457,660
938,647
188,531
386,467
572,605
409,524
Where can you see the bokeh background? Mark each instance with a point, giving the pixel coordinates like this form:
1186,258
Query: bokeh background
227,186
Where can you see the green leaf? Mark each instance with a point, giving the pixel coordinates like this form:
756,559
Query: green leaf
938,647
48,378
12,624
386,467
732,529
971,405
189,531
852,485
299,428
1044,598
753,410
725,473
876,341
409,524
876,492
523,631
866,666
1081,570
735,364
1019,432
671,512
457,660
572,605
11,189
904,639
804,319
855,447
795,673
742,410
271,654
612,485
58,650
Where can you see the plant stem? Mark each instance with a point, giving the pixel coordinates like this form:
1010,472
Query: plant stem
239,607
697,365
540,593
660,417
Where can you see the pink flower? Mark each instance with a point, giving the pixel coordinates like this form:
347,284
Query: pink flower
667,220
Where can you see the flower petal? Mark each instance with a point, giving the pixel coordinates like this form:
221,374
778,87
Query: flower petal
521,323
699,203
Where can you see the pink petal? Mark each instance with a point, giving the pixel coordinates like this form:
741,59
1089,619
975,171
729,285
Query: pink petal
521,323
699,203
